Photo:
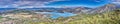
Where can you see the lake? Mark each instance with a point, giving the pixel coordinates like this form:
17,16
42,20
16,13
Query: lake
55,15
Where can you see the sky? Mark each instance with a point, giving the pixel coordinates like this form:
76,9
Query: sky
51,3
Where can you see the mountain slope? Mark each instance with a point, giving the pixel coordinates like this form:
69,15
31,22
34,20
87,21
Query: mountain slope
106,8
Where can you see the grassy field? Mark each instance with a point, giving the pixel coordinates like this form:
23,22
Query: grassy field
104,18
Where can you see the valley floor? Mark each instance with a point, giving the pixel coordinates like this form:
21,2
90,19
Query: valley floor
112,17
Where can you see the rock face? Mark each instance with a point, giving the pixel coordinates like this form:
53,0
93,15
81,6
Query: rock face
106,8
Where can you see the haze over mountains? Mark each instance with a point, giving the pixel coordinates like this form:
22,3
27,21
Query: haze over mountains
75,10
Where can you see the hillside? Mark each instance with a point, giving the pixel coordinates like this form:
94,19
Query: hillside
108,14
112,17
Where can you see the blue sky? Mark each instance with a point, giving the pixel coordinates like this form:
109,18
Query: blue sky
51,3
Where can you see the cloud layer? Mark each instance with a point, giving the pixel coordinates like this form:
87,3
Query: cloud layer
24,3
32,3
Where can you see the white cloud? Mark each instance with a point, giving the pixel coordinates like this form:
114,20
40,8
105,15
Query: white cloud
24,3
116,2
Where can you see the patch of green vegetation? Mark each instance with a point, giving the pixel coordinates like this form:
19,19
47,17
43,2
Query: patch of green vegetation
1,17
105,18
112,17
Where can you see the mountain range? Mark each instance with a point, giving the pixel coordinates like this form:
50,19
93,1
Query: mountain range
108,7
